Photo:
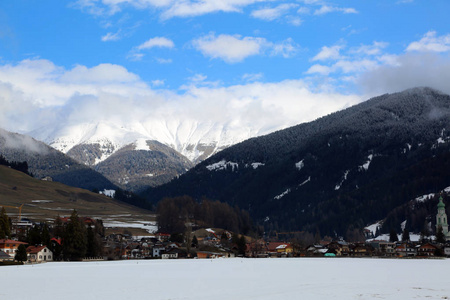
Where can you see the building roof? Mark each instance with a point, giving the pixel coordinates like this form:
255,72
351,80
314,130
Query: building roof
441,204
4,255
5,241
35,249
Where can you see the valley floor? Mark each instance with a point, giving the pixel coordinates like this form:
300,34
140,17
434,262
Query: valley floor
236,278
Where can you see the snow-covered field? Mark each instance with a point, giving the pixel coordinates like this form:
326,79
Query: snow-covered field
236,278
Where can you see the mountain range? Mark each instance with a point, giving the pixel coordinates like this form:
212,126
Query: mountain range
336,174
136,155
45,162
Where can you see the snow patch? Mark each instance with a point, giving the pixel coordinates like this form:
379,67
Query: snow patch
305,182
41,201
150,227
367,164
424,198
222,165
300,165
338,186
149,175
403,225
373,228
282,194
255,165
141,144
109,193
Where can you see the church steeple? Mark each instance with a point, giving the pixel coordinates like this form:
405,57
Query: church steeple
441,217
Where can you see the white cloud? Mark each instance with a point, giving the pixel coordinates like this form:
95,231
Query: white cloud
234,48
327,53
319,69
303,10
111,37
409,70
37,94
431,42
286,48
136,54
272,13
163,60
160,42
374,49
325,9
252,77
231,49
167,8
188,8
158,82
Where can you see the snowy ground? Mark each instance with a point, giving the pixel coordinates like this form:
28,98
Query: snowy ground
291,278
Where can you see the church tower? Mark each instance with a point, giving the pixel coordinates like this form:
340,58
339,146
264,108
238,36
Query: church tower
441,217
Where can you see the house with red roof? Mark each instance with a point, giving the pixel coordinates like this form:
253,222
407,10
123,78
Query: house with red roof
39,254
10,246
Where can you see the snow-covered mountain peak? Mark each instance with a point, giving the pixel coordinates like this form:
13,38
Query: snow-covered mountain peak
193,139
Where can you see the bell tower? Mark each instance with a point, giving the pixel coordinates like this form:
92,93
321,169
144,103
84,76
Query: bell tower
441,217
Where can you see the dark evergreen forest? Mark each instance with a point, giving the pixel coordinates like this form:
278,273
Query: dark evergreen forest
336,174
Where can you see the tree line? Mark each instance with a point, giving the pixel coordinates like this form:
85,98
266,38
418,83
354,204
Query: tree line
178,213
19,166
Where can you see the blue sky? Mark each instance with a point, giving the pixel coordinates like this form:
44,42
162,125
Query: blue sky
179,51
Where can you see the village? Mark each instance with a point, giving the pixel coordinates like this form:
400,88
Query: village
37,242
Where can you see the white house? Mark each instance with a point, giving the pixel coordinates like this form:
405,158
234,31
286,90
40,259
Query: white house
39,254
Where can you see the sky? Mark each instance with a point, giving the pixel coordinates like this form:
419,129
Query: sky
278,63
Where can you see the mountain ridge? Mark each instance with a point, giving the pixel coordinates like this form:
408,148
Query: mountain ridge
322,167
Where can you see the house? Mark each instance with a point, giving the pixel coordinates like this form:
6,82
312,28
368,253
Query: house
163,237
173,253
256,249
272,248
285,250
39,254
361,249
315,250
5,257
447,250
340,248
158,250
10,246
383,248
427,250
405,250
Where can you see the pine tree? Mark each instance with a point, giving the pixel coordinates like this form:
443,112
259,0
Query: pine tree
34,235
45,235
74,242
194,242
405,235
393,237
242,245
440,236
5,230
21,254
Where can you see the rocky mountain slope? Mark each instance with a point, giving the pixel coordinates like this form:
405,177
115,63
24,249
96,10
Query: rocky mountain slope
336,174
96,145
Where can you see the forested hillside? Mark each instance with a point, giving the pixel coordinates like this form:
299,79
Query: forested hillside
336,174
44,161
